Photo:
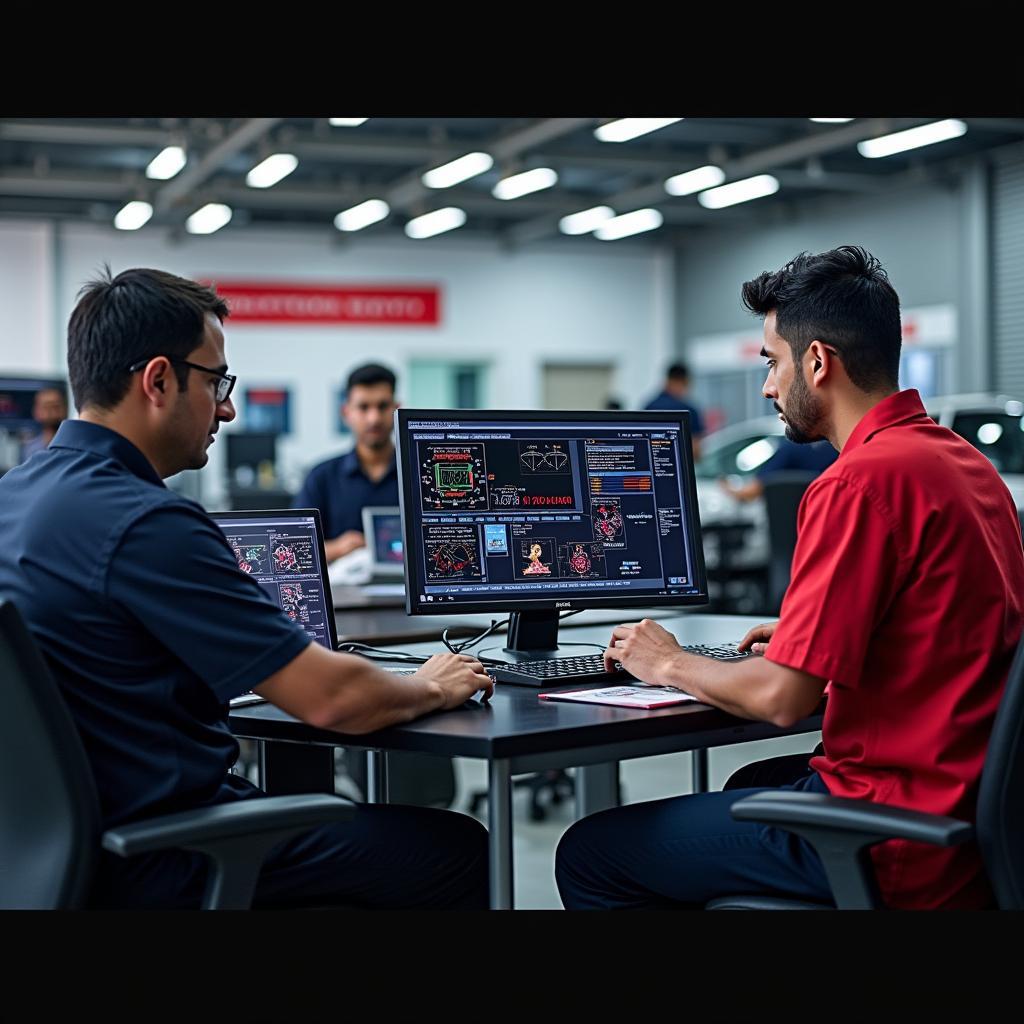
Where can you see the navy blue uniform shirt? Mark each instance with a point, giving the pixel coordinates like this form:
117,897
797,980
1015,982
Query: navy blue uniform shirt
815,457
667,401
341,490
146,621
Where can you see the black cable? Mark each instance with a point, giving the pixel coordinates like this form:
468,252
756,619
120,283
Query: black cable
458,648
378,654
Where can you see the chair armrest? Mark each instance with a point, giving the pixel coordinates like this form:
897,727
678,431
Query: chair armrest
842,831
842,814
188,829
236,837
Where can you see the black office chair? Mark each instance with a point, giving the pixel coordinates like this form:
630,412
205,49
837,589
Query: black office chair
843,830
49,811
556,783
782,495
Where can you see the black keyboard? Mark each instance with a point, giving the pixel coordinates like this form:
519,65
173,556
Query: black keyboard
589,668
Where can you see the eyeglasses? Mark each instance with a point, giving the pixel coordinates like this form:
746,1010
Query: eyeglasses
225,381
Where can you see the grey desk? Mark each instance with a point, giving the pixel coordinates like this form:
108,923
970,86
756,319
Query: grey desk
516,733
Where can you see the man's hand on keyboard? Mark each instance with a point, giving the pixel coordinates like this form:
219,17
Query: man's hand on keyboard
459,676
757,639
644,648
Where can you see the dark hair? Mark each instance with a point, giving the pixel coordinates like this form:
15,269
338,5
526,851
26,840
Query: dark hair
841,297
137,315
370,373
678,371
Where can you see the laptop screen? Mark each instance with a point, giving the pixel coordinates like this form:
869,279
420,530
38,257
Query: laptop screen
283,551
382,527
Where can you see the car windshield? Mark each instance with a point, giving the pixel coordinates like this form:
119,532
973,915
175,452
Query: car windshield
999,436
737,458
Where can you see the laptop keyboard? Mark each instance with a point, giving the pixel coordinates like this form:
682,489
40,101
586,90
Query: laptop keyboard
589,668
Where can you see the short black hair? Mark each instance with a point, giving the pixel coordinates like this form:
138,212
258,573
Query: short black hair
137,315
370,373
678,371
843,298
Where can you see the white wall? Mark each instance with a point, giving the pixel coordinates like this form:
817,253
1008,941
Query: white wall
515,310
26,298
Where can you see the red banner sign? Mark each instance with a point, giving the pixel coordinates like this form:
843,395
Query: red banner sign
262,303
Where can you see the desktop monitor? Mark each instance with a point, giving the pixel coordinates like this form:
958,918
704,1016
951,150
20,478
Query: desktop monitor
530,513
382,528
249,449
18,395
283,551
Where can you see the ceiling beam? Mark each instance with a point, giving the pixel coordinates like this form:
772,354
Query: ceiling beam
82,135
815,144
410,190
179,187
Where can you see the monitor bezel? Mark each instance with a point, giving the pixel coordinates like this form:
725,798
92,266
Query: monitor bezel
504,603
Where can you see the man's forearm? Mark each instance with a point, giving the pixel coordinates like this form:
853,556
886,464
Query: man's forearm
753,688
371,699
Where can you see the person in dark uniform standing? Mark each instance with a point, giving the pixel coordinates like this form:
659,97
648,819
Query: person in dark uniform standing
675,395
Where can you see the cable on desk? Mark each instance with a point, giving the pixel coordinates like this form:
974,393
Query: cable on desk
377,653
458,648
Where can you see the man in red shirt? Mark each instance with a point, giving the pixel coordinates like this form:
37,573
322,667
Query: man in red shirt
905,600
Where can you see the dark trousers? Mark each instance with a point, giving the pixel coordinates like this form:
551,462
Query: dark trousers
681,852
387,857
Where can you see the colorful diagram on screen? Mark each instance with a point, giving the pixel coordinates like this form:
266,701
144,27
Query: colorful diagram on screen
294,602
251,558
544,457
452,552
584,560
453,476
606,516
293,555
536,556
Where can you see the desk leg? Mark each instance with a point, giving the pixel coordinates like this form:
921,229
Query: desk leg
699,769
377,776
597,788
499,823
286,768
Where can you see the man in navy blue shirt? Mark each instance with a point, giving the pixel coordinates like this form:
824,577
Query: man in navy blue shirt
149,627
674,396
367,475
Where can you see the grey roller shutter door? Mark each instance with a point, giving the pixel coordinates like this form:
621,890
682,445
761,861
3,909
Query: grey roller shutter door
1008,275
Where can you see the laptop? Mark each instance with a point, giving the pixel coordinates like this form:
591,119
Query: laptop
382,528
283,551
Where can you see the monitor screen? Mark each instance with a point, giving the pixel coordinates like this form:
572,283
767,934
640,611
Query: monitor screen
530,511
18,395
250,448
284,553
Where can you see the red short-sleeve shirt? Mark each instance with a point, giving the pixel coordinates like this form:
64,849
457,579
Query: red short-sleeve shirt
906,594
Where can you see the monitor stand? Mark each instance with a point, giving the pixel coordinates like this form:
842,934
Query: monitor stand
532,636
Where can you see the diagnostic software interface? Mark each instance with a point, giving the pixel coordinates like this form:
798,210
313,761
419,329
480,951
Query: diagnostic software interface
282,554
520,510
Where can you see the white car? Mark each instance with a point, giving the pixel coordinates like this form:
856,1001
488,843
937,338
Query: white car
992,423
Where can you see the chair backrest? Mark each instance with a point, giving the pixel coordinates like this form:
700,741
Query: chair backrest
49,811
1000,819
782,494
